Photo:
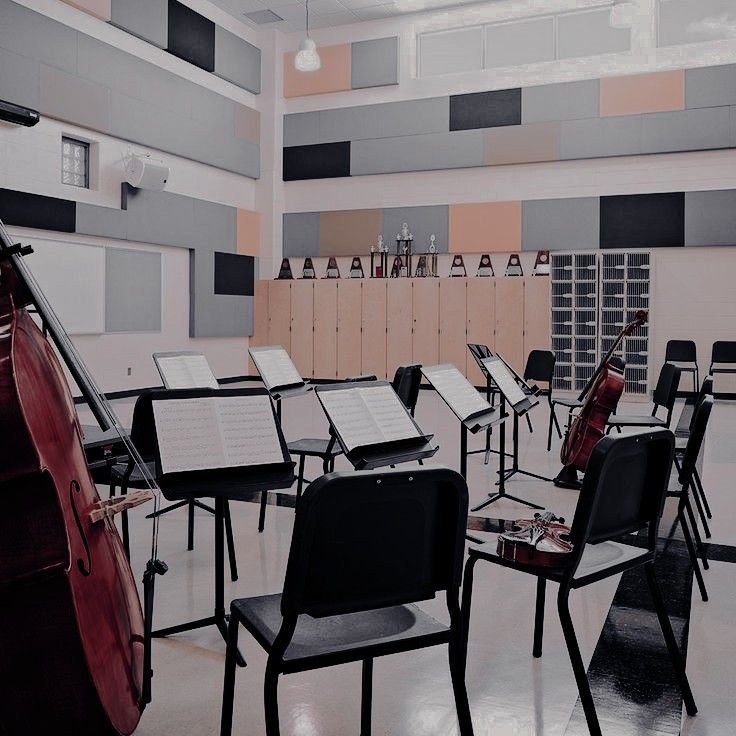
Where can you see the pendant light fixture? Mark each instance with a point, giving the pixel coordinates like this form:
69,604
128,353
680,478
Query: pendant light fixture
622,14
307,58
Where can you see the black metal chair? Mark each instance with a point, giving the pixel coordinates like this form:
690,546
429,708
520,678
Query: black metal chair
406,383
127,475
684,355
623,492
366,547
540,368
665,395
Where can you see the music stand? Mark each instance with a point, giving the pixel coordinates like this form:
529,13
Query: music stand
372,425
219,453
185,369
278,373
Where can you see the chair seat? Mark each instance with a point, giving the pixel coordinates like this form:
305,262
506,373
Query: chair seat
314,447
632,420
136,480
571,403
684,365
723,368
345,638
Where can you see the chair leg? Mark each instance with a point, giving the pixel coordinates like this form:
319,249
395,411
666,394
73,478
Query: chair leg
701,511
701,492
576,660
678,662
230,542
466,605
696,533
270,700
190,525
457,674
549,430
112,489
529,423
228,688
693,557
539,617
300,479
262,514
366,697
557,423
326,464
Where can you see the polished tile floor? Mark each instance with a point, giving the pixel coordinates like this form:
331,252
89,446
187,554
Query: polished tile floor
511,693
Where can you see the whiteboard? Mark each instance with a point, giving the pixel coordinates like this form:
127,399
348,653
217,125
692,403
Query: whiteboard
72,276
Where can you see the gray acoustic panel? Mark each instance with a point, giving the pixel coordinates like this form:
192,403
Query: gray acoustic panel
686,21
215,226
710,218
374,63
300,234
20,80
566,101
147,19
589,33
102,222
521,42
686,130
387,120
561,224
68,97
301,129
619,136
132,291
456,150
237,60
161,218
450,52
423,222
710,86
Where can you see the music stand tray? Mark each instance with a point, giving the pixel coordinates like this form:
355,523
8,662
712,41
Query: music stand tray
185,369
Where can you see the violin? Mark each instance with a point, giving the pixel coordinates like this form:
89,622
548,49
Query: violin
543,541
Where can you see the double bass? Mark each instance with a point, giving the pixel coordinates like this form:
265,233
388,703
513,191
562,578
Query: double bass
600,398
74,645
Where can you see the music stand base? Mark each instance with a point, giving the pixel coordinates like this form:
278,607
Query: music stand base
498,496
513,471
568,478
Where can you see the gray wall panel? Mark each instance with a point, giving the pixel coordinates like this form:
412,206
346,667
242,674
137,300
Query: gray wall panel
422,221
103,222
301,234
524,42
561,224
147,19
214,226
374,63
620,136
680,21
567,101
589,33
20,80
710,86
710,218
301,129
461,149
132,291
237,60
450,52
686,130
162,218
68,97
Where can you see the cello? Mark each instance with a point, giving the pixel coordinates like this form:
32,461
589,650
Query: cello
600,398
74,644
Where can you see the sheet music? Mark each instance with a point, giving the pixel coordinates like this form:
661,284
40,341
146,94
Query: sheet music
459,394
368,416
186,371
276,367
216,432
504,379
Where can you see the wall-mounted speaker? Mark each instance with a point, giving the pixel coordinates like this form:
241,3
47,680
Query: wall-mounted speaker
17,115
143,172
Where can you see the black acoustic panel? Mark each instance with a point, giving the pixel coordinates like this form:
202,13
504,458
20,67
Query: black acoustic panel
643,221
191,36
234,274
321,161
35,210
485,109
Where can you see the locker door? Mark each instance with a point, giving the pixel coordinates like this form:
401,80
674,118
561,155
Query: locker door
279,314
537,311
325,328
302,326
481,301
399,324
453,322
373,335
348,327
426,320
260,320
510,321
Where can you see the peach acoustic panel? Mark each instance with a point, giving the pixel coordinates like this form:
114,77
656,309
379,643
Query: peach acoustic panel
426,321
348,232
98,8
349,323
302,327
373,336
325,328
519,144
248,233
485,227
247,124
333,76
643,93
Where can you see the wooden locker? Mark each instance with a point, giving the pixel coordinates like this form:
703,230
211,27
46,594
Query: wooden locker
426,321
373,320
481,324
279,314
398,324
537,311
349,325
302,326
260,320
510,321
325,328
453,322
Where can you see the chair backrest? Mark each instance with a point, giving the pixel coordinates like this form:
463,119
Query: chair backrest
624,488
681,351
367,539
540,366
665,392
406,383
143,428
724,351
706,389
699,424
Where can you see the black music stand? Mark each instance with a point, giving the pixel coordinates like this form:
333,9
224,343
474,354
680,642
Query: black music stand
185,369
366,454
221,483
278,373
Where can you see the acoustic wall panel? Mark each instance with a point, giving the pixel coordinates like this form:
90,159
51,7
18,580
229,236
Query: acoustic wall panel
36,210
561,224
398,324
643,221
349,323
147,19
300,234
485,227
97,8
20,80
423,222
191,36
374,63
333,76
132,291
302,327
214,226
348,232
557,102
302,129
234,274
103,222
517,43
640,93
373,334
481,325
450,52
279,314
685,21
518,144
620,136
237,60
248,232
453,321
324,161
426,321
247,124
688,130
710,218
161,218
710,86
589,34
485,109
325,328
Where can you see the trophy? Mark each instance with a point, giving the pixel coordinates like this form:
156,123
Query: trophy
356,269
541,264
421,267
458,267
333,272
285,270
485,267
433,255
404,246
513,267
396,268
308,270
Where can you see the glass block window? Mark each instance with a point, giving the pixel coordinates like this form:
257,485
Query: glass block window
74,162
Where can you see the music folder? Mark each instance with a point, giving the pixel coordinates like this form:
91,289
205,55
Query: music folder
462,397
277,371
213,442
372,425
508,382
185,369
